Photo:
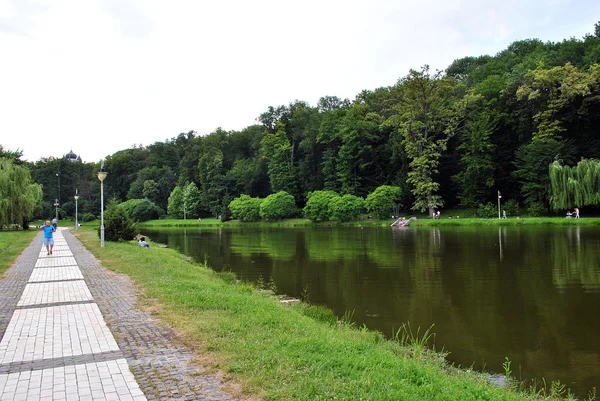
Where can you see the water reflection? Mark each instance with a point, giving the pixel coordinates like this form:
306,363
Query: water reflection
531,294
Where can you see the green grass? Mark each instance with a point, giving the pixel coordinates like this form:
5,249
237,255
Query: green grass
277,352
507,222
12,244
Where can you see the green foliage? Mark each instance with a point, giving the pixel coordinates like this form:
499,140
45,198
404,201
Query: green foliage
192,199
487,210
245,208
318,205
278,151
118,226
511,206
151,190
278,206
175,204
142,210
87,217
536,209
19,195
347,207
381,202
575,186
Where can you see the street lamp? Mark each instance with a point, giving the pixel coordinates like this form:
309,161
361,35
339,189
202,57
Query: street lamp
499,197
56,204
58,178
76,197
101,176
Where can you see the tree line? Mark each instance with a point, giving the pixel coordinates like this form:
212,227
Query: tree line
450,138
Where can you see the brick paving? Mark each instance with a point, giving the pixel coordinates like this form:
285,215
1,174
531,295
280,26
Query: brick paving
71,331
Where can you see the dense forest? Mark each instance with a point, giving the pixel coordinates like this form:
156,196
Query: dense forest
450,139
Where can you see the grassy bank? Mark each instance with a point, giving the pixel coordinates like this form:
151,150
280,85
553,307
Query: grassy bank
421,221
12,244
285,353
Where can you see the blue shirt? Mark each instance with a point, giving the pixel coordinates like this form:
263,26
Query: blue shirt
48,230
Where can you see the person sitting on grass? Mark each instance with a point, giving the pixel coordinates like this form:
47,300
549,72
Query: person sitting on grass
143,242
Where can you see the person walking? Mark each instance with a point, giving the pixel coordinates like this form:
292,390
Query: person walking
576,212
55,223
48,236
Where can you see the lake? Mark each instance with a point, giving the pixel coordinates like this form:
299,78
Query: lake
527,293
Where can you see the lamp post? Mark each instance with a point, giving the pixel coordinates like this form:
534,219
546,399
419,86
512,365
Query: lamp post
56,204
76,197
101,176
499,197
58,178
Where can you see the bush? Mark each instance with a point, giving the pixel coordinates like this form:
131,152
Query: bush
87,217
117,224
536,209
511,206
278,206
381,202
347,207
488,210
318,205
142,210
245,208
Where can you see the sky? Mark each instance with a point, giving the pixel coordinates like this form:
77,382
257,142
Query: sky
96,77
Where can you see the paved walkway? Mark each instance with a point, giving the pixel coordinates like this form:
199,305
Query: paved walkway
57,345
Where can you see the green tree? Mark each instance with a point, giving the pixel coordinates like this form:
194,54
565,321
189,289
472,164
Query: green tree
278,206
245,208
118,226
19,195
318,205
575,186
428,114
347,207
151,190
382,202
192,199
142,210
175,208
476,149
276,148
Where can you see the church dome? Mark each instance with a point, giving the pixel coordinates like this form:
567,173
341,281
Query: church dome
71,156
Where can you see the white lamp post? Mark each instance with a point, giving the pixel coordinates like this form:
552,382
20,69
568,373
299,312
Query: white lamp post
76,197
56,204
499,197
101,176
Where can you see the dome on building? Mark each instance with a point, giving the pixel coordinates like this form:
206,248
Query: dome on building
72,156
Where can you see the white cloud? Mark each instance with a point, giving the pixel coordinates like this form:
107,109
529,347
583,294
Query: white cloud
100,76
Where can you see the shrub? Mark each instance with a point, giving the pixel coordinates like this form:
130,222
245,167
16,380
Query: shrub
87,217
488,210
536,209
175,203
382,201
117,224
347,207
142,210
245,208
278,206
318,205
511,206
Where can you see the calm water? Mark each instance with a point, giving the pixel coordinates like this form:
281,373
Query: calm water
531,294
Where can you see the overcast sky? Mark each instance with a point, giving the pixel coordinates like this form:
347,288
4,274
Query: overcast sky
100,76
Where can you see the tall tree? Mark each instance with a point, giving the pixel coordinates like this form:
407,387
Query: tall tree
20,194
429,112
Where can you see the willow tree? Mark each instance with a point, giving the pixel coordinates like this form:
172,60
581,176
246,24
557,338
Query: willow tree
428,113
575,186
18,194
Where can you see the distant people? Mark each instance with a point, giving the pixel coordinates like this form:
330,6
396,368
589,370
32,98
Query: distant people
437,216
569,214
199,218
504,214
143,242
54,223
518,215
576,212
48,237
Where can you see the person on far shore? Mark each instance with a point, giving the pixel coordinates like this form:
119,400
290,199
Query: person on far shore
504,214
143,242
518,215
48,237
576,212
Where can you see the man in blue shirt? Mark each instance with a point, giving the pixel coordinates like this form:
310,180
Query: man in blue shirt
48,238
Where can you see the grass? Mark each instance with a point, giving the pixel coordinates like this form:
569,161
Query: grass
299,352
12,243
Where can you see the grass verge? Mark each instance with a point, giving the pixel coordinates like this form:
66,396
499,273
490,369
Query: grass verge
278,352
12,244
